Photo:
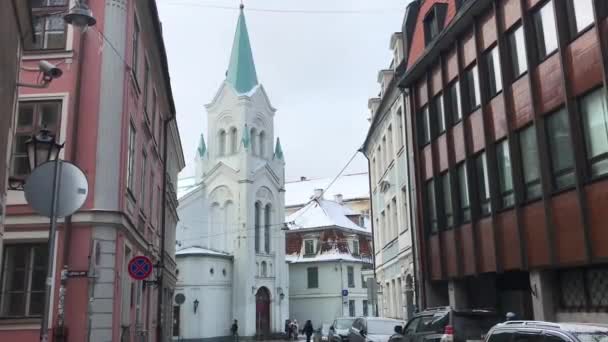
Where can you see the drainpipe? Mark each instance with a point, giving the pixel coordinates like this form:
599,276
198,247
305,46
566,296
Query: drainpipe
371,219
159,308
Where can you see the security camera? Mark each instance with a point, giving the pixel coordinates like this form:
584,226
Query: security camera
49,70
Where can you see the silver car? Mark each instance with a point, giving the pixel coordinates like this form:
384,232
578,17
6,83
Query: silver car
338,331
373,329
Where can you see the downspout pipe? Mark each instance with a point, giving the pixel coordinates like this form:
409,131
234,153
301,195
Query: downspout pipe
371,213
159,303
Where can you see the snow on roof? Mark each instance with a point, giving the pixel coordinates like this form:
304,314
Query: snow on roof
351,186
332,255
200,251
323,213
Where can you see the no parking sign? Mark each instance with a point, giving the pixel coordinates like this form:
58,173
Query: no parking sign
140,267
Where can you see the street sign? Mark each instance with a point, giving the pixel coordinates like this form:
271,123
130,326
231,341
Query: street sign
180,298
72,274
344,293
140,267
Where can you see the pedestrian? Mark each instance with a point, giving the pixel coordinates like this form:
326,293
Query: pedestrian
288,328
235,331
308,330
295,329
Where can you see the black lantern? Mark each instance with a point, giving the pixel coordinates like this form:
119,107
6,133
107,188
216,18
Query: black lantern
195,305
41,148
80,16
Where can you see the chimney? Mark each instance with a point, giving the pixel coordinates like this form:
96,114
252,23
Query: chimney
318,193
338,198
302,178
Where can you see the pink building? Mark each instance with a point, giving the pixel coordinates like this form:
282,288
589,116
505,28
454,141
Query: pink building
114,109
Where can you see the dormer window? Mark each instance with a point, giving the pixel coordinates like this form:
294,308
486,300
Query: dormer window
433,22
309,247
356,250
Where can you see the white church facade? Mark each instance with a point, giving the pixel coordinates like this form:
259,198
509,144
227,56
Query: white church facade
231,252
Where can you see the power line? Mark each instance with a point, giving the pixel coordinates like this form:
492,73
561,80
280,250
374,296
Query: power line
285,11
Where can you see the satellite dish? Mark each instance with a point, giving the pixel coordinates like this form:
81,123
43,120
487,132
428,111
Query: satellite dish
180,298
72,190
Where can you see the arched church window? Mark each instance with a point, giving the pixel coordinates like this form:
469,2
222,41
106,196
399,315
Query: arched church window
262,144
254,143
221,143
267,228
264,269
233,140
258,210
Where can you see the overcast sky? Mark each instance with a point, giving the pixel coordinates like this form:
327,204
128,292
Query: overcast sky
319,70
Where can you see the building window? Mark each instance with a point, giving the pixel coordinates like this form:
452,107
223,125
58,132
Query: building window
425,126
431,207
546,31
530,165
356,250
233,140
131,157
517,51
351,308
32,117
313,277
463,193
560,148
505,177
400,132
257,214
350,270
262,144
49,26
176,329
454,109
23,280
221,142
267,212
581,12
365,308
471,83
135,47
594,111
254,142
583,289
483,186
146,81
446,188
142,184
309,247
151,201
264,269
493,72
431,26
390,150
439,113
363,281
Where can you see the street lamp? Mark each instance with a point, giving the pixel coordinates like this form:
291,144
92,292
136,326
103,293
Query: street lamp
80,16
42,147
195,305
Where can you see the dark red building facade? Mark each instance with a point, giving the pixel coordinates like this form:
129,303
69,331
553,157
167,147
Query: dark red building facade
507,108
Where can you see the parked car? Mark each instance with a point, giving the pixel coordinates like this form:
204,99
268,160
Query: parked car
322,334
338,331
535,331
446,325
372,329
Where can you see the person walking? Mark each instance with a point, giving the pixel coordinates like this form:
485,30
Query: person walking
295,329
308,330
235,331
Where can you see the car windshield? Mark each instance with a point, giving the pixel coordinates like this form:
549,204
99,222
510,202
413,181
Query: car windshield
599,336
381,327
325,329
344,323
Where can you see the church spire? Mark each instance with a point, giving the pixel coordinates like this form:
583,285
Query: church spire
202,148
241,70
278,150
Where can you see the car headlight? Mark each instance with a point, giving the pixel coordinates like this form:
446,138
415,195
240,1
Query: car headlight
323,338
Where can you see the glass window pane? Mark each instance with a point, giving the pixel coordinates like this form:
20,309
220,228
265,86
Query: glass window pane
583,12
546,33
517,50
454,108
447,199
36,303
431,207
472,87
49,113
21,166
483,187
26,115
439,113
55,23
595,122
19,145
493,72
529,155
560,146
13,304
463,187
55,40
505,177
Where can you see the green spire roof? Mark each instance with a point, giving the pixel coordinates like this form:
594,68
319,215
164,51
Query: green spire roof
278,150
241,71
246,139
202,148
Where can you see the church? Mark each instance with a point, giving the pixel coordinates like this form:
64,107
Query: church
231,251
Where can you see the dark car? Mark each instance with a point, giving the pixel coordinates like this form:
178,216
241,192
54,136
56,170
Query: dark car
338,332
373,329
446,325
535,331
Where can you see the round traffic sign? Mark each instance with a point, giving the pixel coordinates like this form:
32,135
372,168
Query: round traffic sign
180,298
140,267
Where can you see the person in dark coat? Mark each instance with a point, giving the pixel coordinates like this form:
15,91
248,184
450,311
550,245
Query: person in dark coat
234,329
308,330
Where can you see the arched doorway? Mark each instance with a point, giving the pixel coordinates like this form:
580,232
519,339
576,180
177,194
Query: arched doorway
262,312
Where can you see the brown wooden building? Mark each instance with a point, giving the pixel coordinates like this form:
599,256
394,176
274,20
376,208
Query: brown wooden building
507,108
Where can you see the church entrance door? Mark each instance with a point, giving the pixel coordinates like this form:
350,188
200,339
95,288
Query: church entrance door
262,312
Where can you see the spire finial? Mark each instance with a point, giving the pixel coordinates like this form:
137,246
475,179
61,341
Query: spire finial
242,6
